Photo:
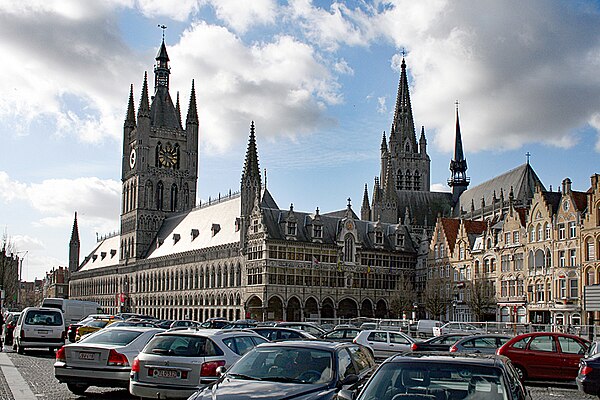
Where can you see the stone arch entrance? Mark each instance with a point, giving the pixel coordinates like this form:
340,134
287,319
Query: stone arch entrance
275,309
347,308
366,308
311,308
293,310
254,308
381,310
327,309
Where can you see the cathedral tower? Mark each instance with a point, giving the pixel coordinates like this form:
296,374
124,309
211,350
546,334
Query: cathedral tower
250,187
74,247
160,162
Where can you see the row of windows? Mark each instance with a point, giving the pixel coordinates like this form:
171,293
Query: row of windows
544,232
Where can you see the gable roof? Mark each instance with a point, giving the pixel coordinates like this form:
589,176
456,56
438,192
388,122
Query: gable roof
450,227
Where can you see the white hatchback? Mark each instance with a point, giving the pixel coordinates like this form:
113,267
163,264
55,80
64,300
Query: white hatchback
177,363
39,327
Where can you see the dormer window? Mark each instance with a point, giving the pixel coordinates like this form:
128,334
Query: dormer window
112,253
237,224
176,237
215,229
318,231
400,240
291,228
378,237
103,255
195,233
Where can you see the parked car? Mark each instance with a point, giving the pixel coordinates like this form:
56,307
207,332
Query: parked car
10,321
438,343
425,328
92,326
443,376
214,323
120,324
101,359
187,323
342,334
588,376
383,344
39,327
309,327
485,344
165,323
458,327
176,363
72,328
281,333
315,370
241,324
545,355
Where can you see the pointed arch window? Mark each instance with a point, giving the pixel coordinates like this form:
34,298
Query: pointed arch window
177,153
417,180
156,153
349,248
186,196
148,195
399,180
173,203
160,189
407,147
407,181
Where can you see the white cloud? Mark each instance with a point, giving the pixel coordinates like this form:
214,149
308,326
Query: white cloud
178,10
282,84
381,106
241,15
341,66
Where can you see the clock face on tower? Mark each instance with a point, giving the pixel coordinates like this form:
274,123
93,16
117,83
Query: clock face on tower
167,156
132,157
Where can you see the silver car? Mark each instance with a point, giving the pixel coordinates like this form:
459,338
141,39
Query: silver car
485,344
384,343
103,358
177,363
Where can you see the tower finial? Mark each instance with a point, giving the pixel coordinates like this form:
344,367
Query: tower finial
528,154
163,27
456,103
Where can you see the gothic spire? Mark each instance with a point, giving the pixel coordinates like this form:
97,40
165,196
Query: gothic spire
192,115
75,231
403,127
458,166
178,109
130,117
384,147
251,167
161,69
144,109
74,246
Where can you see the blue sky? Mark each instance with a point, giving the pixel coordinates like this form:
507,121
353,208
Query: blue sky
319,78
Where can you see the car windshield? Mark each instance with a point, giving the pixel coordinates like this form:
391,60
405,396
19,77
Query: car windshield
117,337
450,380
285,364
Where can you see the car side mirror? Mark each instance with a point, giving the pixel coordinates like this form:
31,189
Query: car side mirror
221,370
345,394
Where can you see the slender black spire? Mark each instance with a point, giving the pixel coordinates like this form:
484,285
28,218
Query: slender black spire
74,246
458,166
144,109
178,109
251,167
192,115
130,117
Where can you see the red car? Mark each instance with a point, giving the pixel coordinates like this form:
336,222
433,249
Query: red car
545,355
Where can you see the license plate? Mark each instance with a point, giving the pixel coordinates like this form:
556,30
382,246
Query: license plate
86,356
166,373
42,332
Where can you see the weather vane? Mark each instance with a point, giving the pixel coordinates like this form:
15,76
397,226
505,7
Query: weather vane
456,103
163,27
403,52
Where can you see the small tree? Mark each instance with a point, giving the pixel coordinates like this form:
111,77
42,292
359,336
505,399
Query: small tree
436,297
404,298
480,298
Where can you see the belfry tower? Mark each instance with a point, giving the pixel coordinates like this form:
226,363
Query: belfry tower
160,162
459,181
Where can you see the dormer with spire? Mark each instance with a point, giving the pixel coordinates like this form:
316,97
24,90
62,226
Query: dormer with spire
458,166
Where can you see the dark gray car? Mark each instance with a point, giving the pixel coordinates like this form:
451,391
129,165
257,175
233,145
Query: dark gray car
484,344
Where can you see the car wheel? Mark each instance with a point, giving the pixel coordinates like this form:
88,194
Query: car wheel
521,372
77,388
20,349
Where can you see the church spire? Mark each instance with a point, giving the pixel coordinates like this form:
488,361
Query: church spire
178,109
74,246
144,109
458,166
130,117
251,167
403,127
161,69
365,210
192,115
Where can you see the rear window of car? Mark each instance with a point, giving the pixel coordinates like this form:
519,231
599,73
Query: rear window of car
97,324
42,317
183,346
242,344
114,336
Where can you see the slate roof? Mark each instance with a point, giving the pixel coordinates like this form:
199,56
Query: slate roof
522,179
580,199
552,199
106,254
424,207
162,111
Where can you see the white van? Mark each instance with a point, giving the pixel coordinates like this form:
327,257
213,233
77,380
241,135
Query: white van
39,327
426,327
73,310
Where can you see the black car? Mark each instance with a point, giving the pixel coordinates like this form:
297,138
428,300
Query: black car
293,370
438,376
438,343
588,378
274,333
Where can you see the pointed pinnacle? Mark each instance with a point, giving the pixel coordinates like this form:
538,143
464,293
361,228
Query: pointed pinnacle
192,115
144,109
130,117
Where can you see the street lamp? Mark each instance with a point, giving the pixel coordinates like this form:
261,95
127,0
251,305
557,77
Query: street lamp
414,313
454,304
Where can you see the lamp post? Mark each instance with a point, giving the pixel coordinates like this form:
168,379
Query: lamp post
454,304
414,312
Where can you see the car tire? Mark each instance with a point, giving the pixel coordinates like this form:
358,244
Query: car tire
77,388
521,372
